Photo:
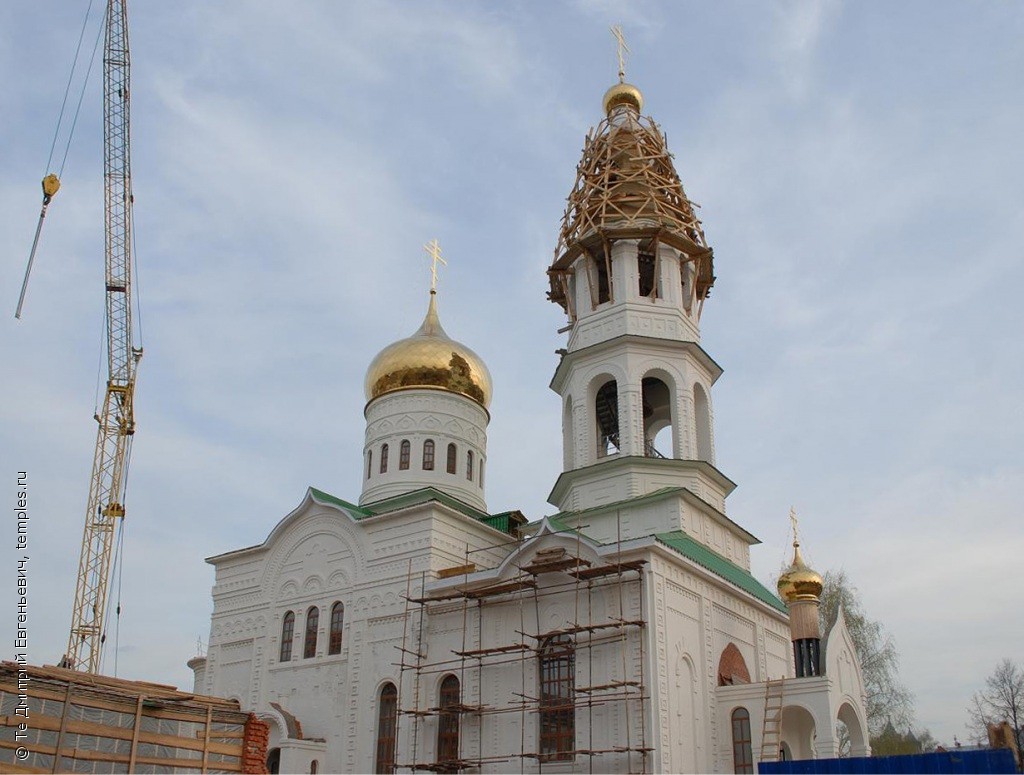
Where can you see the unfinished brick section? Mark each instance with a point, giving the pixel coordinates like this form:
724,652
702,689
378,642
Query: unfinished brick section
732,669
254,748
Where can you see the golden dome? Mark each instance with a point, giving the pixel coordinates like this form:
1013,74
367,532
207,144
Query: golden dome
799,582
623,94
429,359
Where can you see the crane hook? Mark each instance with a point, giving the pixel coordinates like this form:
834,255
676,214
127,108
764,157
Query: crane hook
51,185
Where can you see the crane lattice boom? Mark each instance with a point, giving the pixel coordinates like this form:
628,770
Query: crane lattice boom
117,421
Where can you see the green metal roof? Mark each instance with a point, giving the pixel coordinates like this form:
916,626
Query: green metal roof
557,519
502,521
717,564
424,495
324,497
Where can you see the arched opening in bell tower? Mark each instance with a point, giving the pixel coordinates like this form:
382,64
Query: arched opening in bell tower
647,274
600,289
659,429
702,419
606,411
567,435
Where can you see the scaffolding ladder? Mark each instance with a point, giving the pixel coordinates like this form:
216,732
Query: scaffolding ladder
771,730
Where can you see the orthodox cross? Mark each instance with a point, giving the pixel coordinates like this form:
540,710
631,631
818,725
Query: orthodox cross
434,251
792,518
623,49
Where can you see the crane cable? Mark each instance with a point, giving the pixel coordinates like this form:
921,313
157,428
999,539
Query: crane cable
51,182
118,564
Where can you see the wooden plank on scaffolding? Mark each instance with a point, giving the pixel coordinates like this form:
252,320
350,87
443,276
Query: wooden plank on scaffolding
206,739
608,570
607,686
52,724
63,726
458,570
494,650
136,730
515,585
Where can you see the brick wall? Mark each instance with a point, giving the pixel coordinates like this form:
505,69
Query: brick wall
254,745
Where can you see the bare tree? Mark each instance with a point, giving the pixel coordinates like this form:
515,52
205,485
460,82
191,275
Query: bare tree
1002,699
888,700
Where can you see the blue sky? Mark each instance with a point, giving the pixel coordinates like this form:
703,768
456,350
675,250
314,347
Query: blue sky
861,179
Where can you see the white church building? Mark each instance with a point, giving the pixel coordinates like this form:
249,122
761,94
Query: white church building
414,630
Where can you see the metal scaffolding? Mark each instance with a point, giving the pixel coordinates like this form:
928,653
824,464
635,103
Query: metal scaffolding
603,641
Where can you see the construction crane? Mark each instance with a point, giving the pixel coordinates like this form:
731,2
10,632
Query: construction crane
105,509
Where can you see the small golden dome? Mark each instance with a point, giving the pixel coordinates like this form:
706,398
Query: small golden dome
623,94
429,359
799,582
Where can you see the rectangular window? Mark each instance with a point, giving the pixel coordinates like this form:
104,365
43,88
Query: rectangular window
557,699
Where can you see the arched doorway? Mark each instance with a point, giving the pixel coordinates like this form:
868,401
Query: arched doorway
798,731
274,761
855,729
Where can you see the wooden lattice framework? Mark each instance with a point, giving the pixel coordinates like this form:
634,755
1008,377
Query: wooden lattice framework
627,188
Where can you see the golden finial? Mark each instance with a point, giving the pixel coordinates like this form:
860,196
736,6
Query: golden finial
434,251
623,49
799,582
622,93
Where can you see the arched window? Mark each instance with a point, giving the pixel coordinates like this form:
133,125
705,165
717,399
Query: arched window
428,455
469,464
387,717
384,458
287,632
312,623
557,695
337,623
313,767
453,454
448,725
369,463
403,455
742,756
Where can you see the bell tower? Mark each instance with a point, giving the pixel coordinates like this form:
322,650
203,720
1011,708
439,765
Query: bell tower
632,271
